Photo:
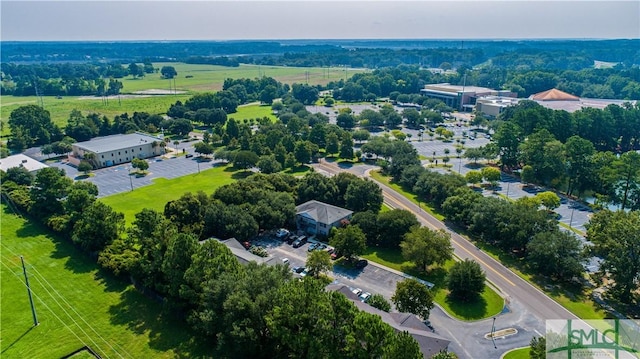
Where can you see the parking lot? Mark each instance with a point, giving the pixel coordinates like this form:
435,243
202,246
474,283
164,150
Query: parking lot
372,278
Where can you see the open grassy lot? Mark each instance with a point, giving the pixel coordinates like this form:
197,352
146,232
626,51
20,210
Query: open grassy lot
522,353
488,305
577,302
164,190
77,304
61,108
211,77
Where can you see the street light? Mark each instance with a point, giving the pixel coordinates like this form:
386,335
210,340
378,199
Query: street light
130,179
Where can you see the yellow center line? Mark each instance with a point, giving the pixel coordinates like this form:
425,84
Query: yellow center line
398,203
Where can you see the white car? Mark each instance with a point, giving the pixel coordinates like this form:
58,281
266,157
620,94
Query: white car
365,296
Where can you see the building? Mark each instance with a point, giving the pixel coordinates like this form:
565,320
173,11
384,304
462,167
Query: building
116,149
430,343
555,99
492,106
317,218
461,98
21,160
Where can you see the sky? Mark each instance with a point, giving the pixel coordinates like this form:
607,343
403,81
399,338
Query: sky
53,20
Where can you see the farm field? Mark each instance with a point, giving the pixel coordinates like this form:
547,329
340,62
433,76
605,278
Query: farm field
211,77
77,304
163,190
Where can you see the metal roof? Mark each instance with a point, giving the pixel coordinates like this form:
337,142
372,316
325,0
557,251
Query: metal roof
116,142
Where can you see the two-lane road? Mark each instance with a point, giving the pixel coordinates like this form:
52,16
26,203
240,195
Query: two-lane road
528,306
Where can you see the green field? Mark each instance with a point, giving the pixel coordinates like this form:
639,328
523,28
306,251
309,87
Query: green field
77,304
489,304
204,78
211,77
164,190
522,353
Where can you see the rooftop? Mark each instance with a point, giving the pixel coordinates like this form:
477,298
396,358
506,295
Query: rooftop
322,212
430,343
116,142
21,160
446,87
553,95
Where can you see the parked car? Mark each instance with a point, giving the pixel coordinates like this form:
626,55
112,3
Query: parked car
300,242
282,233
365,296
361,263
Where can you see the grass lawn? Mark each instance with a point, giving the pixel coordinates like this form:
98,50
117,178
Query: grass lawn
77,304
412,197
488,305
211,77
164,190
253,111
579,304
522,353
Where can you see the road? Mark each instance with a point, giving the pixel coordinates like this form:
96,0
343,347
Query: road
527,308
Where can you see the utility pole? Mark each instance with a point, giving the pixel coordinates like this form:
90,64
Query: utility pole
26,280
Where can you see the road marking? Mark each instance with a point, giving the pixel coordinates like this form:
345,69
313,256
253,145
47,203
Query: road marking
391,198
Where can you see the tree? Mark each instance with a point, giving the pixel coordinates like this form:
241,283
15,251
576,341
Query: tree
20,176
136,70
318,262
425,247
465,280
411,296
556,254
85,167
348,241
549,200
491,174
245,159
392,225
402,346
363,195
527,175
615,238
33,126
268,164
473,177
140,164
378,301
168,72
98,227
538,348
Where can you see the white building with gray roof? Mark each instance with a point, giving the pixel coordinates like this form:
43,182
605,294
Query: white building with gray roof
117,149
316,217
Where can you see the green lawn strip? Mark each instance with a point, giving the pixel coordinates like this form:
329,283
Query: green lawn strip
253,111
579,304
489,304
412,197
521,353
163,190
63,277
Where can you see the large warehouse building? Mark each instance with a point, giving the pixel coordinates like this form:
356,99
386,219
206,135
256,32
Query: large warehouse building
117,149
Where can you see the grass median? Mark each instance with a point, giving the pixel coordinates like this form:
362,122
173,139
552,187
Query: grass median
77,304
488,305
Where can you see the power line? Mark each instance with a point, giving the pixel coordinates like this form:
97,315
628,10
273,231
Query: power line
73,309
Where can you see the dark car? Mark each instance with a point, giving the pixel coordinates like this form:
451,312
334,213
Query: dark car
299,242
361,263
